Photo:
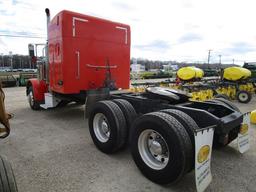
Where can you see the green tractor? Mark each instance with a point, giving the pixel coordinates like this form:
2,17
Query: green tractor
252,67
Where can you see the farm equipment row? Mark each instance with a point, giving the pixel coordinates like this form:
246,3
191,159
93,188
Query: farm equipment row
190,80
12,79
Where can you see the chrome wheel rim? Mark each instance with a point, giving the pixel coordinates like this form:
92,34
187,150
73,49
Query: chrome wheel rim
31,98
153,149
101,127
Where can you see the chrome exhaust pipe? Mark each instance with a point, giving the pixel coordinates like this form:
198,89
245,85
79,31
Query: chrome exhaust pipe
47,11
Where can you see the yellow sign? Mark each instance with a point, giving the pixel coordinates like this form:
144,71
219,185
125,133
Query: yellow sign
244,129
253,117
203,153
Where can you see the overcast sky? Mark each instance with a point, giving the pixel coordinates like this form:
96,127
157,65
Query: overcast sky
182,30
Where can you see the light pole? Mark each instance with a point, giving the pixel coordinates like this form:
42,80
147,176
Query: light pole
209,55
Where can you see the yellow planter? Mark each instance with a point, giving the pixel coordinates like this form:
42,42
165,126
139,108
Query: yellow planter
236,73
188,73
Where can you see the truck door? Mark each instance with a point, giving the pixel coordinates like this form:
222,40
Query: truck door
55,61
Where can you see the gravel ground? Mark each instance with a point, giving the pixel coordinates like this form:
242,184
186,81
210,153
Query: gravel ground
51,150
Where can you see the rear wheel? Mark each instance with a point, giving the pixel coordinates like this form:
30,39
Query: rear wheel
107,126
243,96
7,179
127,109
189,124
35,105
161,147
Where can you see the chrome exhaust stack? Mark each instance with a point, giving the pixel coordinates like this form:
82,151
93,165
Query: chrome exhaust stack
48,18
47,11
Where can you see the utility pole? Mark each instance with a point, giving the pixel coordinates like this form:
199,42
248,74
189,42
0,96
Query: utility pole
220,70
220,59
209,55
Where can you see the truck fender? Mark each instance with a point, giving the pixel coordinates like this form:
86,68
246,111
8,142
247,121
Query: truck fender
39,88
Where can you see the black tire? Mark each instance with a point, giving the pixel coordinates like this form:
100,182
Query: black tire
189,124
223,96
35,105
129,114
128,111
115,121
7,179
226,102
244,96
174,138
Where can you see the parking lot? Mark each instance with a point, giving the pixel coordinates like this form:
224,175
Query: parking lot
51,150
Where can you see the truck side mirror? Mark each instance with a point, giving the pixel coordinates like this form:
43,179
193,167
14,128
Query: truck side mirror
31,50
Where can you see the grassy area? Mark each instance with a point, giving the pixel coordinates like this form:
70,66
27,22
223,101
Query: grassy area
152,75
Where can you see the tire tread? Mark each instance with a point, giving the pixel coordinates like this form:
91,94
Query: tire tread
172,127
118,118
189,124
8,182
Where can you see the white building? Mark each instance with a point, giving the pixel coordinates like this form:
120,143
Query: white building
137,68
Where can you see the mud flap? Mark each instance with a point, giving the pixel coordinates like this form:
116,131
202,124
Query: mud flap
243,139
203,153
93,96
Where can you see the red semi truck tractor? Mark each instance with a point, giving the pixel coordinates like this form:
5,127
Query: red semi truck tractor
88,61
83,53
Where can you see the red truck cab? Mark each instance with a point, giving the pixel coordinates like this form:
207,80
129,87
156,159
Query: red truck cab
84,52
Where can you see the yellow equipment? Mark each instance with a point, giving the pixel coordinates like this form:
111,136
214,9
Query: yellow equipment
202,95
253,117
229,91
236,73
188,73
247,87
4,117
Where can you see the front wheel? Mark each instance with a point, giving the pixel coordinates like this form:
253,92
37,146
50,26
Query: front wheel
35,105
